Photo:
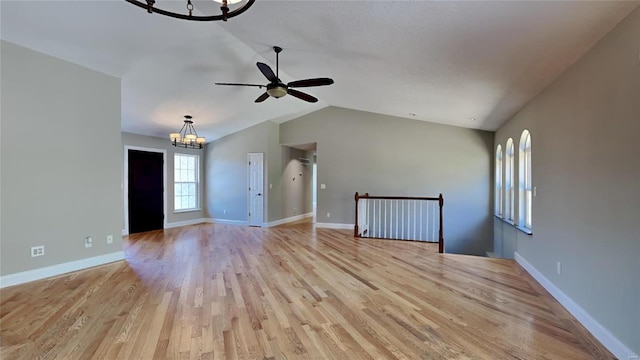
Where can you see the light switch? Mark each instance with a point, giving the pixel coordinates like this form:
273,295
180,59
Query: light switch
270,186
323,186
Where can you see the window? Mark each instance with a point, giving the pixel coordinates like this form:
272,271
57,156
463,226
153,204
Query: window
498,181
186,182
508,179
525,188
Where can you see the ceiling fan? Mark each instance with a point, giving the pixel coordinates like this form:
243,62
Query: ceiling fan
277,88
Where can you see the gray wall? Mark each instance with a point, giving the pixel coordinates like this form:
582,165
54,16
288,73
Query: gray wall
129,139
226,172
505,238
586,145
226,169
383,155
61,160
275,160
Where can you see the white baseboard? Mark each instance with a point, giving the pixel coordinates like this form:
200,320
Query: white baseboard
228,222
335,226
185,223
288,220
617,348
55,270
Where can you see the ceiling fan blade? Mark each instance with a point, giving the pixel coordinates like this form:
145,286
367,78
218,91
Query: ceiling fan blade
236,84
301,95
311,82
267,72
262,97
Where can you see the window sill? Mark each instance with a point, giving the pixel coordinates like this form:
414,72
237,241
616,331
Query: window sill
504,220
521,228
524,230
186,210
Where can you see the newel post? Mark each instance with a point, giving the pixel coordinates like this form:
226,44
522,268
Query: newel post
440,232
355,227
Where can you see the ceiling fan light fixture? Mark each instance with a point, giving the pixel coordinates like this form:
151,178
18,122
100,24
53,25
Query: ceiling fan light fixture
277,91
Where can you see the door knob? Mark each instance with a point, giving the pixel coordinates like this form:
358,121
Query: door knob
259,194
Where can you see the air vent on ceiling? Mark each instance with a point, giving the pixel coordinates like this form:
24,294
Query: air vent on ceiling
304,161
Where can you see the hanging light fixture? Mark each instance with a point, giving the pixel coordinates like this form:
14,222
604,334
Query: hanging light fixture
149,5
187,137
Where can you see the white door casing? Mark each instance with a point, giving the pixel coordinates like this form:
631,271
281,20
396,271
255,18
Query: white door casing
256,193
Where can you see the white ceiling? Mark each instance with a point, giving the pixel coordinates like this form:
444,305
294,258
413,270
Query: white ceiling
470,63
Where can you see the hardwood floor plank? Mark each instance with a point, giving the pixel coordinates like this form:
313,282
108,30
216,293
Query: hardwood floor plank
214,291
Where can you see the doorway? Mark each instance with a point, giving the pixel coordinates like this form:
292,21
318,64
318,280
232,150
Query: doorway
256,202
306,155
145,190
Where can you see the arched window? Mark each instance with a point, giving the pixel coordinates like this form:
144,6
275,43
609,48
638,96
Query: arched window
508,182
525,188
498,181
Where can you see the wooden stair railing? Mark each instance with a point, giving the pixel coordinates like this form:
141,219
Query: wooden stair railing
399,218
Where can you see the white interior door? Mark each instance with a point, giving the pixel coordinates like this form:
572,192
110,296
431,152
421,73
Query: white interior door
256,194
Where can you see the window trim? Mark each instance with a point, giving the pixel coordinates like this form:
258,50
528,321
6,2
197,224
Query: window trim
509,189
525,185
197,182
498,182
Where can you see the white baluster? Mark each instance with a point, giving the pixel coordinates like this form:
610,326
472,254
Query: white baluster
373,225
385,219
403,222
379,217
435,219
390,219
420,237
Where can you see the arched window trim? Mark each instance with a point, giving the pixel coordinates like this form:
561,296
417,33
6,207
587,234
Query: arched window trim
509,190
498,182
525,183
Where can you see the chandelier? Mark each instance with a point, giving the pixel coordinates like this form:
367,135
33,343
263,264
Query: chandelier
187,137
226,14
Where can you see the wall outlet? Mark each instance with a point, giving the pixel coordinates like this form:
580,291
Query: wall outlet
328,214
109,239
559,268
88,242
295,211
323,186
37,251
224,211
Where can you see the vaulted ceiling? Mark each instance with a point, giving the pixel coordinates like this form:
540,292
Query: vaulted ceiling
470,63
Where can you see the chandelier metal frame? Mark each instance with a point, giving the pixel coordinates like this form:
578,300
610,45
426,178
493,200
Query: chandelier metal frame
187,137
149,5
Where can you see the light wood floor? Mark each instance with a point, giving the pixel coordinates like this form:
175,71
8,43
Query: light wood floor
226,292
